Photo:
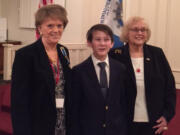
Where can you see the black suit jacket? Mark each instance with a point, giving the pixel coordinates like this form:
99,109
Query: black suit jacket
33,90
92,114
160,89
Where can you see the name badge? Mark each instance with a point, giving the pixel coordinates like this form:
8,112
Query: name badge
59,103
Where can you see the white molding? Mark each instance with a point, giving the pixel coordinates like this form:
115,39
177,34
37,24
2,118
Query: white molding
178,86
77,52
176,73
27,9
176,70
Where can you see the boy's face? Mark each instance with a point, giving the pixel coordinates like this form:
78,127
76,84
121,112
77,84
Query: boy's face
101,44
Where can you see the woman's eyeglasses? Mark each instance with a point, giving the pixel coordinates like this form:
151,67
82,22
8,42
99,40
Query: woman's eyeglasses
136,30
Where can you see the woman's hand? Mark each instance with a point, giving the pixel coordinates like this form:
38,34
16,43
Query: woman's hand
161,126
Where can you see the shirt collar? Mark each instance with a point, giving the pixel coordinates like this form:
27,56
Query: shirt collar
96,61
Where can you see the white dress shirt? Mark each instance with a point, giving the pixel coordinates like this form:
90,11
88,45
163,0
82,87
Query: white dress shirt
140,111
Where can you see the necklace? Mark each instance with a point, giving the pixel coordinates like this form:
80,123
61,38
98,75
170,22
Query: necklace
137,64
56,71
53,59
138,70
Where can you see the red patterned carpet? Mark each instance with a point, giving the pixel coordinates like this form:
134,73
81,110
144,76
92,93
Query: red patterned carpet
5,121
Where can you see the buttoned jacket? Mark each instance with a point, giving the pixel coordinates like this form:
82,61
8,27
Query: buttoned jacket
92,113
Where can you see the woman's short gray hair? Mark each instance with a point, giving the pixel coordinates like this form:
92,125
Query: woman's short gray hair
51,11
127,26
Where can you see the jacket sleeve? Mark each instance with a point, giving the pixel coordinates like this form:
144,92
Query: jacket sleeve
170,90
20,95
76,96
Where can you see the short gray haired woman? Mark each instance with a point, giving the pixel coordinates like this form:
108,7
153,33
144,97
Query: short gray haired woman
41,78
151,93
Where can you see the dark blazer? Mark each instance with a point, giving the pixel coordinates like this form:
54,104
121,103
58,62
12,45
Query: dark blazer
33,90
92,114
160,89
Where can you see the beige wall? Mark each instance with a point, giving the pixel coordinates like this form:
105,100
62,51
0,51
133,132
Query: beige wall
10,10
81,13
173,39
0,8
162,15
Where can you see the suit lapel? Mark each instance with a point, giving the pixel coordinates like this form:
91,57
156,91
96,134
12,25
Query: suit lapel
64,60
46,69
147,66
112,80
94,82
128,63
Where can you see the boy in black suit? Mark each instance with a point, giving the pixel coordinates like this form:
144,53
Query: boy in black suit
99,89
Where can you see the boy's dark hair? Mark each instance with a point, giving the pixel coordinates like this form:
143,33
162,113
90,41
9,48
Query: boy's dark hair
99,27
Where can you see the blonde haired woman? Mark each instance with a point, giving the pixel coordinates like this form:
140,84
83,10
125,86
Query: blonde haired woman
151,93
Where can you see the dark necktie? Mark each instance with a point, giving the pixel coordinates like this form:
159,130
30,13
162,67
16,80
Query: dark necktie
103,78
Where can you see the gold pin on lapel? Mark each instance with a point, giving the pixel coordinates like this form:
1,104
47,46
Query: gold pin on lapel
117,51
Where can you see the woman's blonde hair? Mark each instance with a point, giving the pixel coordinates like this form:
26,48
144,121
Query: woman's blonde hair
127,26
